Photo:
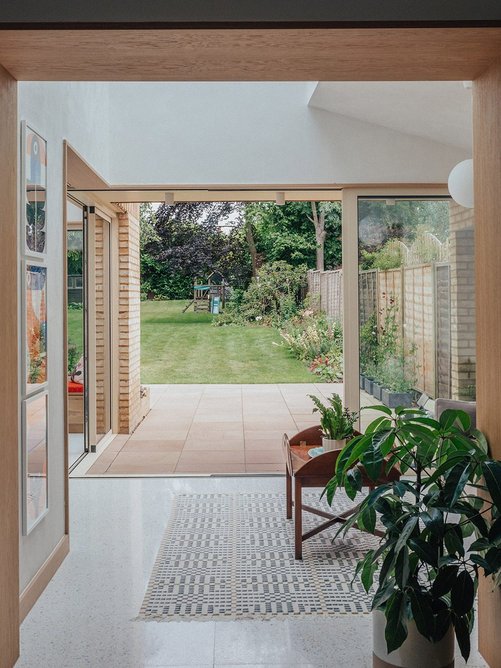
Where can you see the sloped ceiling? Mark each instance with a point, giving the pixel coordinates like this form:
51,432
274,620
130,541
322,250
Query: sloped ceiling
440,111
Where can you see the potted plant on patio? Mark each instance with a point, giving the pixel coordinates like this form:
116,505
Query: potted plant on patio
437,532
336,422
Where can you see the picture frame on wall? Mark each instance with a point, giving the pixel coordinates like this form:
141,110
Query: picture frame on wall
35,367
34,192
35,486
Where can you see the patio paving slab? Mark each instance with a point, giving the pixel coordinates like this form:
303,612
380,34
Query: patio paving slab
203,429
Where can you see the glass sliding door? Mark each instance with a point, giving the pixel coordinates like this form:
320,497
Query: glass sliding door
76,332
99,328
416,301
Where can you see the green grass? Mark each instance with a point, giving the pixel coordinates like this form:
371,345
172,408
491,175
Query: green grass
181,347
75,328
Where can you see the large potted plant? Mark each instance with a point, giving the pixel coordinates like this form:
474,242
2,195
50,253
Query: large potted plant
336,422
438,533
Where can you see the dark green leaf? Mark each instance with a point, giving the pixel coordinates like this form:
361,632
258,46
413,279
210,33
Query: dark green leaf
481,440
422,612
455,482
426,552
368,571
462,594
442,620
405,533
396,627
382,595
433,520
448,418
453,540
367,519
492,475
444,580
402,567
493,558
382,409
462,630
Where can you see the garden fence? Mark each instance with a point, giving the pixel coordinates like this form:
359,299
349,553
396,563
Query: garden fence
421,298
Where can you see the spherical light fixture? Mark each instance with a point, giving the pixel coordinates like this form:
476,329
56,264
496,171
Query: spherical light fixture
461,184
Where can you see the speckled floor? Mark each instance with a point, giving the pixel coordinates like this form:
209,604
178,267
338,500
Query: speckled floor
85,616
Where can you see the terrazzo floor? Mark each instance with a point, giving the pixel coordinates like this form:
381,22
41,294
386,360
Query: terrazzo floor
85,617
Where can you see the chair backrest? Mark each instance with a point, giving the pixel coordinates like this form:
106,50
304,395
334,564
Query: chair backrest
469,407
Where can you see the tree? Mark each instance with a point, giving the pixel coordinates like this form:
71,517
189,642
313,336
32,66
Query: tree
184,242
285,233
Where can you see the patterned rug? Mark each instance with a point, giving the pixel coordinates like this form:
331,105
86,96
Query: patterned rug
231,556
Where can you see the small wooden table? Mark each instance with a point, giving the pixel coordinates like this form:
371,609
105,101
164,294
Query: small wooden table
309,471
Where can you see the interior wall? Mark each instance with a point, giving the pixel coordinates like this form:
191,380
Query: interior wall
79,113
257,133
9,405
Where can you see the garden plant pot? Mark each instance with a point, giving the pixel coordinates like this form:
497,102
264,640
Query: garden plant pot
376,390
395,399
368,385
416,651
330,444
362,381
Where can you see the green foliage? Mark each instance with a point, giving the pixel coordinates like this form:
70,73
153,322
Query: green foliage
271,298
369,346
183,243
313,339
286,233
74,355
336,422
427,571
389,256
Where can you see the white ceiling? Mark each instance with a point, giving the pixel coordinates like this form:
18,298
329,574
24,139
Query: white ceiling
436,110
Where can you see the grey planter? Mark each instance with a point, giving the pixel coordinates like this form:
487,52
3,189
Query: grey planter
377,390
368,385
395,399
362,381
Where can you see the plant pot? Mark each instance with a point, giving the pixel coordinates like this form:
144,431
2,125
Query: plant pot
376,390
330,444
395,399
368,385
362,381
416,651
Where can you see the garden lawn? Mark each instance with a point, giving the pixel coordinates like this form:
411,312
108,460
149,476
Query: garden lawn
179,347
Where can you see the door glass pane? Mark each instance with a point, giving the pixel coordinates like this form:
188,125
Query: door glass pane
417,308
76,337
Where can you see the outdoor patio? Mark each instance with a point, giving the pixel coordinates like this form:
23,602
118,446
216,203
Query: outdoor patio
204,429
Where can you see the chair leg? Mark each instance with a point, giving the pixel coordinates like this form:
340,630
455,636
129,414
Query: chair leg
298,519
288,494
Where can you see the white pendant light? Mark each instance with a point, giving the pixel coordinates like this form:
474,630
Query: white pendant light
169,198
461,184
280,198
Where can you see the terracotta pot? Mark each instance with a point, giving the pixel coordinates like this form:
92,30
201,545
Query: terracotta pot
330,444
415,652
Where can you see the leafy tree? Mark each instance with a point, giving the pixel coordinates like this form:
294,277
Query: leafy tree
184,242
285,233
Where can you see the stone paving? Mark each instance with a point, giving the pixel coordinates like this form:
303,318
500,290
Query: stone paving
214,429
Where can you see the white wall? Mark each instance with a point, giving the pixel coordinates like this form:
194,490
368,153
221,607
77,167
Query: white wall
79,113
257,133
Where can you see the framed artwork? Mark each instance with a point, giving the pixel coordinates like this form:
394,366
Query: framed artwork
35,460
35,327
34,196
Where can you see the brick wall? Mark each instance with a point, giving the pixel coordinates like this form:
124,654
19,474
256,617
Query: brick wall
463,330
129,332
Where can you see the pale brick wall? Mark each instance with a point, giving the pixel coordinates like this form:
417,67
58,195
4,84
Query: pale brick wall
462,262
129,327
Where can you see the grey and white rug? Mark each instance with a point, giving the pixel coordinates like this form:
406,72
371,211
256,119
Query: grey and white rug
231,556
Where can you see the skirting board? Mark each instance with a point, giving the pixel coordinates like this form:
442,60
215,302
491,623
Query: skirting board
44,575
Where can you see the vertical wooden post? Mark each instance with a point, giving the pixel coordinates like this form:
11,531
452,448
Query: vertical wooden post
487,176
9,394
351,332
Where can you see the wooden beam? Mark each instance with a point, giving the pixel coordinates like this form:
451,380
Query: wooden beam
487,173
9,403
289,54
